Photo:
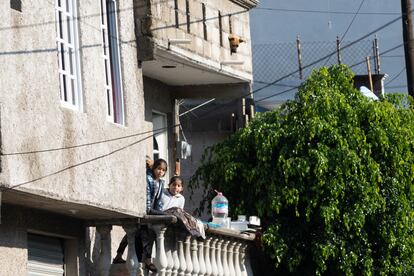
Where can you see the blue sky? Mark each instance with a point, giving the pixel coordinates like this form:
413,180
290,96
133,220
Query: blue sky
277,27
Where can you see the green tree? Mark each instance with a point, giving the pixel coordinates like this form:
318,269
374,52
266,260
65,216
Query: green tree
331,176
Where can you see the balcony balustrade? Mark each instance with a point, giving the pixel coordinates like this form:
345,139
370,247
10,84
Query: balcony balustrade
224,252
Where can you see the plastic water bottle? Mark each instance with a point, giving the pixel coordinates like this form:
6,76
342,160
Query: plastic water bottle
220,209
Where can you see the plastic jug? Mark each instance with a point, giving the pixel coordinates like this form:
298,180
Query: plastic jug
220,209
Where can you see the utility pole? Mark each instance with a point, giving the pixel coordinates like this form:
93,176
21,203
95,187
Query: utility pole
407,24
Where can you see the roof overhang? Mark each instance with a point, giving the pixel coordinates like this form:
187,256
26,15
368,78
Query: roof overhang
67,208
178,67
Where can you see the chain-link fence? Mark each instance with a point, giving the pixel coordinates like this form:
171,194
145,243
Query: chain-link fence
275,61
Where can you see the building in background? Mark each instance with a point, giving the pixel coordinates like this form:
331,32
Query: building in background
189,61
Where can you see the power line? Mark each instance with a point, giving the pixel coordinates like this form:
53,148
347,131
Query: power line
394,56
349,26
122,148
78,17
398,86
277,94
385,52
75,165
119,42
253,92
276,84
331,54
86,144
208,112
324,11
394,78
118,11
350,66
353,19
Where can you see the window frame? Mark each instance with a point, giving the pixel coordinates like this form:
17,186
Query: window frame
115,109
204,14
68,51
160,134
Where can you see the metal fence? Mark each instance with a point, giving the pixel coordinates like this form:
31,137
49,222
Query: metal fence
274,61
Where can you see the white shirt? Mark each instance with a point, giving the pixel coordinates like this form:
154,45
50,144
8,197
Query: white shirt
169,201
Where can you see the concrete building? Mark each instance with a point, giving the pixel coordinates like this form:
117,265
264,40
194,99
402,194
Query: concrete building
83,86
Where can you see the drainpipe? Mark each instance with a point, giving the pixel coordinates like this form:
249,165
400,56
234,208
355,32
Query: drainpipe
176,136
0,206
1,154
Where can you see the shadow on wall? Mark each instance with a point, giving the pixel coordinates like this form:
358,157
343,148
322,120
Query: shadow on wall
11,237
93,250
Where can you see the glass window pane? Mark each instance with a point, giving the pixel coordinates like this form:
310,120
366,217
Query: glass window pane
68,5
71,61
65,96
106,72
102,12
73,90
62,55
108,100
68,24
60,35
104,44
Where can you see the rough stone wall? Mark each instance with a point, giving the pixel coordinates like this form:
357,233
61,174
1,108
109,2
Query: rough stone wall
33,118
163,27
17,222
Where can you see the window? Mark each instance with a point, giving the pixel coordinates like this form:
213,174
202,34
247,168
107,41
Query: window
16,5
187,14
156,149
45,256
160,146
177,23
230,25
220,21
203,6
110,45
68,53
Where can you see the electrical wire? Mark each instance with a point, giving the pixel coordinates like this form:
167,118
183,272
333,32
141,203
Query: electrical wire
250,93
210,111
85,144
397,86
349,26
11,187
352,21
350,66
333,53
324,11
394,78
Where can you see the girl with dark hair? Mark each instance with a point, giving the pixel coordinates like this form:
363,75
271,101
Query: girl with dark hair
155,185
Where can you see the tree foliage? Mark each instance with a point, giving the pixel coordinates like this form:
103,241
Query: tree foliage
331,176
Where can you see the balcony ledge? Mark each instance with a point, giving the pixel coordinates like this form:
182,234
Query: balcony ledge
248,4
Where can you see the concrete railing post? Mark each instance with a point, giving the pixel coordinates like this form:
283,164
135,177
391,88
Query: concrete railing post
161,261
132,260
104,262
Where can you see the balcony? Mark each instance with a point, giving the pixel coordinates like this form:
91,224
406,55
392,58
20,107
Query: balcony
187,42
223,252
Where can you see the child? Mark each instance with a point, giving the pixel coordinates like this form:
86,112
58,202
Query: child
155,184
172,196
154,191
